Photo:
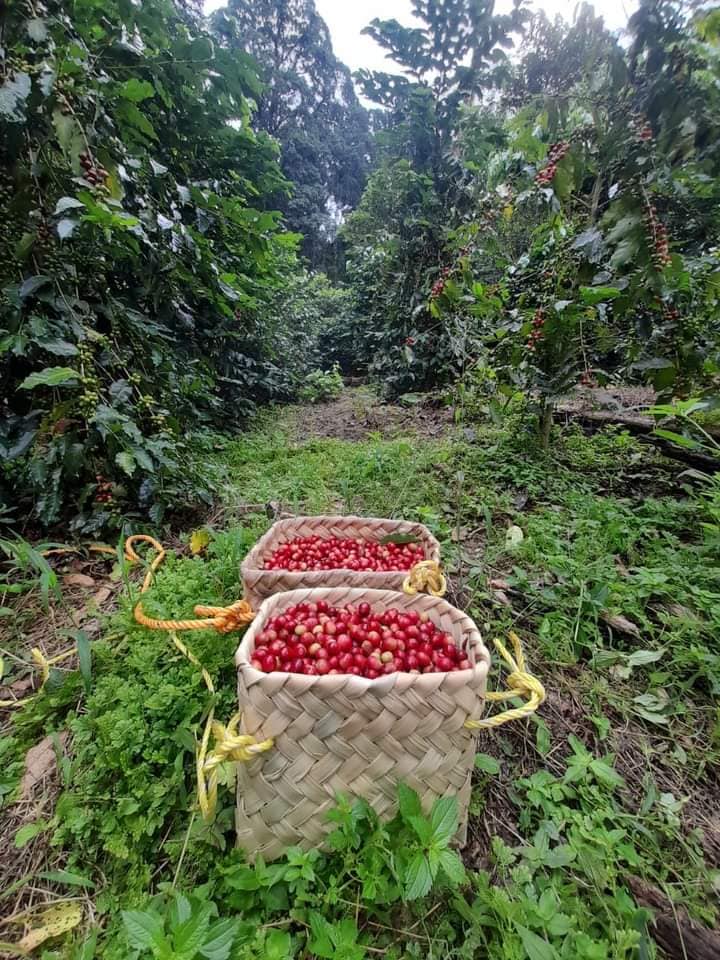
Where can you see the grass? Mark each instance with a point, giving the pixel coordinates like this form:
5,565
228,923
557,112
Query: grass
614,588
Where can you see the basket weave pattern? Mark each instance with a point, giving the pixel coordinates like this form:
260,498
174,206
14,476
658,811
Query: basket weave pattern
258,583
348,734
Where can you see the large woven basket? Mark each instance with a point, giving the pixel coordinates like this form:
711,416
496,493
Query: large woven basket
259,583
346,734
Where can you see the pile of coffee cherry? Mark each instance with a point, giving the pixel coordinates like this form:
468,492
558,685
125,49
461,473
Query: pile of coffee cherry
332,553
318,639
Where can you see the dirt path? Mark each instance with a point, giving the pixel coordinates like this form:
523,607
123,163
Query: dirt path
358,413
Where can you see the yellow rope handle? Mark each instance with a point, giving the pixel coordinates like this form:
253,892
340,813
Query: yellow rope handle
521,684
222,619
426,576
228,743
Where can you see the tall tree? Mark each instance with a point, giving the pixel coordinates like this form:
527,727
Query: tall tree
309,105
418,195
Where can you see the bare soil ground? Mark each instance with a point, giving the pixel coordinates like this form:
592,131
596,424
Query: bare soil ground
358,413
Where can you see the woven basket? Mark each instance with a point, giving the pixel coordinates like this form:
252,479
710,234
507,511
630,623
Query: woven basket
347,734
258,583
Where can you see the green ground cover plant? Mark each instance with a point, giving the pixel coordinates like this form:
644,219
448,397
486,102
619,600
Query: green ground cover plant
565,812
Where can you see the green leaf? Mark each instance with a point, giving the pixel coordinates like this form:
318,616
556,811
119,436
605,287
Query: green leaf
144,459
37,30
13,94
67,878
126,461
593,295
422,828
84,659
543,739
418,878
676,438
180,910
321,941
143,928
66,228
60,348
408,802
26,833
68,133
49,377
32,285
640,657
219,940
137,90
535,947
606,774
444,818
67,203
133,116
486,763
399,538
190,935
452,866
278,945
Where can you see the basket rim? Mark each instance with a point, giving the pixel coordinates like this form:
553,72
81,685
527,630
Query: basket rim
288,598
252,565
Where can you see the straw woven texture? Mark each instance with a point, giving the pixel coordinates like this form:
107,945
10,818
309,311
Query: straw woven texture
259,583
352,735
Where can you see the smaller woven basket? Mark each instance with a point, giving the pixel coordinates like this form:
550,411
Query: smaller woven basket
258,583
347,734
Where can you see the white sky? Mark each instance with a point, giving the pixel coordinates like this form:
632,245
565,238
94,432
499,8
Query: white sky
346,19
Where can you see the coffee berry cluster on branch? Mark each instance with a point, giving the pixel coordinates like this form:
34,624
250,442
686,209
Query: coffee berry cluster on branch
555,155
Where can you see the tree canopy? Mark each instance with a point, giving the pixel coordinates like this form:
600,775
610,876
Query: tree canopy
308,103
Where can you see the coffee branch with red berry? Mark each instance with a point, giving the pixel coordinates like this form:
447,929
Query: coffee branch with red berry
556,153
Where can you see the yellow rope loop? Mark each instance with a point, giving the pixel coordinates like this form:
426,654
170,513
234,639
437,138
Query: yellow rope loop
520,683
425,576
230,745
222,619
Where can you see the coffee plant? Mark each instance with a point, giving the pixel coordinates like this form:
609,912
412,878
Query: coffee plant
140,262
567,233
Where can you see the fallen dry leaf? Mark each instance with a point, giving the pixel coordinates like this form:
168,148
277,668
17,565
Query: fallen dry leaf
502,598
499,584
618,622
78,580
40,762
103,594
53,922
683,613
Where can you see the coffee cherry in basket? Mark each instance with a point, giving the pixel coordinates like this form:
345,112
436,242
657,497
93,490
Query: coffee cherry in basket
317,639
332,553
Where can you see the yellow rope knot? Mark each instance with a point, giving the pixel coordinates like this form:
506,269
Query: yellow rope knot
230,745
426,576
520,683
227,619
